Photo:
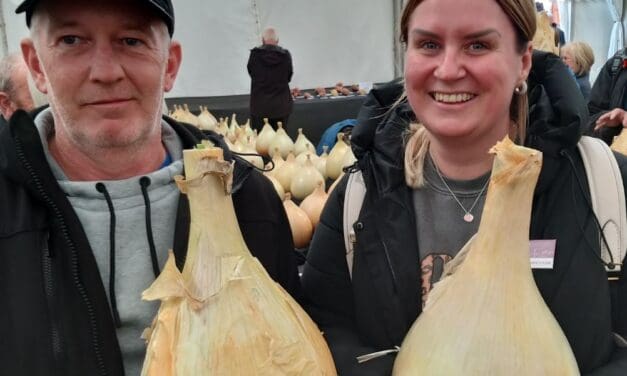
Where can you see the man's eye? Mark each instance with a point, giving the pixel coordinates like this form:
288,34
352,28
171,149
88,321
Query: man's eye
131,41
70,39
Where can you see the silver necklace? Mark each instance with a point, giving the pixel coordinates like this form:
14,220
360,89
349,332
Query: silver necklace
468,217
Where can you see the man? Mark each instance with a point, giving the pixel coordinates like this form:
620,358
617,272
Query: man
608,101
14,91
270,70
88,205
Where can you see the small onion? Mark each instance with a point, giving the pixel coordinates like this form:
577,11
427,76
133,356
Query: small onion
305,179
249,148
286,171
309,152
313,204
281,141
301,226
335,159
302,143
321,161
265,138
206,120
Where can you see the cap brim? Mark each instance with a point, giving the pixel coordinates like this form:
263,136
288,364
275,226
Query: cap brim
25,6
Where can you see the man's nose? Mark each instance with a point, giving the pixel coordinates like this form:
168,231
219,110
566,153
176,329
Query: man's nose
106,66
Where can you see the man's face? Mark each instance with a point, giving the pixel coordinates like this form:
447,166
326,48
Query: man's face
105,66
21,96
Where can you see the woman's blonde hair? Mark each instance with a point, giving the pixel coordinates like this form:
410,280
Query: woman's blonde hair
582,55
522,14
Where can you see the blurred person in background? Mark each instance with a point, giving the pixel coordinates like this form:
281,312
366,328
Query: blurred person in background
270,69
579,57
14,87
608,99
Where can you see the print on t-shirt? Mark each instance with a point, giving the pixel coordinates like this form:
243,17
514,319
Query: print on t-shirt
431,269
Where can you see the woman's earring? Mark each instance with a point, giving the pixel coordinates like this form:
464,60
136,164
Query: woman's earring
522,89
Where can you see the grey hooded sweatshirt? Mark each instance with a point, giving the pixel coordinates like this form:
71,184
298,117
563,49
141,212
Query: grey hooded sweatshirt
130,227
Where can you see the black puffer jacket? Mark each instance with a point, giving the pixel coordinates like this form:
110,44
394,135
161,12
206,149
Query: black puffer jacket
608,93
55,316
376,309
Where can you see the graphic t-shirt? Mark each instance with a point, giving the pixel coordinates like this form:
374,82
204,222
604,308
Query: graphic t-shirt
441,228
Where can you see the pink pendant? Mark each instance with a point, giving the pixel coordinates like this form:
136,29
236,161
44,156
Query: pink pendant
468,217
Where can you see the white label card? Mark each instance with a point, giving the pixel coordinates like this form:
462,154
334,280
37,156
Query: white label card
542,253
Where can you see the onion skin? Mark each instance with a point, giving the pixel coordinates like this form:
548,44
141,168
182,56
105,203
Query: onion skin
223,314
302,229
305,180
335,160
313,204
486,315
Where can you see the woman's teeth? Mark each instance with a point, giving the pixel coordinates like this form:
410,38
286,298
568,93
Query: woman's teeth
452,98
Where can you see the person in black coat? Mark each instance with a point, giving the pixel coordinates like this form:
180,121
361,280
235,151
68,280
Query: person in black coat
608,99
89,206
270,69
406,230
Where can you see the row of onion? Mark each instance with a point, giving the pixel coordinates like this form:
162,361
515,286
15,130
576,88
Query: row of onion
296,171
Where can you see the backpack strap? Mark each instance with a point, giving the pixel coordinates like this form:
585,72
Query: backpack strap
353,200
608,199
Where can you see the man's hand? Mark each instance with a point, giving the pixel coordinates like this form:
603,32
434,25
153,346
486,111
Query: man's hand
616,117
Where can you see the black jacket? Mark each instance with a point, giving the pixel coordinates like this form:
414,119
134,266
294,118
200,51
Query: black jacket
55,314
376,309
608,93
270,70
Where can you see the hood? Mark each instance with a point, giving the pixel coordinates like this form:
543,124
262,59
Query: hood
270,55
557,115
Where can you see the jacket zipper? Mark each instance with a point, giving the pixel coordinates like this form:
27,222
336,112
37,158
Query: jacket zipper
63,227
47,255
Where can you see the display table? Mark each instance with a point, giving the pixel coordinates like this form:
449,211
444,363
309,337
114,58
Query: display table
313,115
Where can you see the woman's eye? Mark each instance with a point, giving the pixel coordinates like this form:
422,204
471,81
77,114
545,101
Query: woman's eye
427,45
477,46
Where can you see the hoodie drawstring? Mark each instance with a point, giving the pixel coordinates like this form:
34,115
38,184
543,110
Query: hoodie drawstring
100,187
144,182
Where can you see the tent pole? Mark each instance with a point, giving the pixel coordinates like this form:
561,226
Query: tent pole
397,7
4,44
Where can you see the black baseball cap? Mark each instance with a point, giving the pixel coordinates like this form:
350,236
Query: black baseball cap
163,7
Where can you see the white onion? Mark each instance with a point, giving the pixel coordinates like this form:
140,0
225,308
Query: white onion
302,143
281,141
265,138
301,226
305,179
313,204
335,159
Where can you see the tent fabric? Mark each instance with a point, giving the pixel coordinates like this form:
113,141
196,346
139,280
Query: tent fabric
617,40
350,40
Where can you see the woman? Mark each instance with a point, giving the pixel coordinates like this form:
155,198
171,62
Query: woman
579,57
466,66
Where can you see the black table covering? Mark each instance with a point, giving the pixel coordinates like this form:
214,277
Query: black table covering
313,115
